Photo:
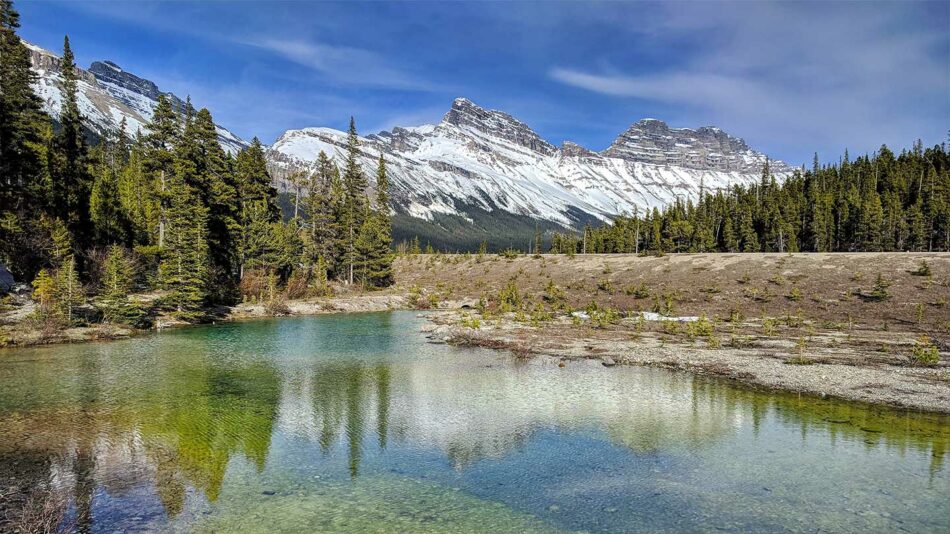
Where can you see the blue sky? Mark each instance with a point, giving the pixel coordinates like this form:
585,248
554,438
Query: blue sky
790,78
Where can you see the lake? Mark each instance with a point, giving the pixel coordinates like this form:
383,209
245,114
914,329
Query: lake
355,423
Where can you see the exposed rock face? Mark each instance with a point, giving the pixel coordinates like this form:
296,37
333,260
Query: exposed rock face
489,160
107,72
107,95
706,148
464,113
573,150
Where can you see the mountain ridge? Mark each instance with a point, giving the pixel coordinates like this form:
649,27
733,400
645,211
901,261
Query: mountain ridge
107,95
477,157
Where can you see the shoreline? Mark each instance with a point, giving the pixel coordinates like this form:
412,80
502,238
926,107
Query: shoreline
25,336
920,389
805,323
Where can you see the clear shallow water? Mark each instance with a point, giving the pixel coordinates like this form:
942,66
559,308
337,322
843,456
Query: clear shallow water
356,424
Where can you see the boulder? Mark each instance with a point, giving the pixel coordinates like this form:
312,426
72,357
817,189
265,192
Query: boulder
6,279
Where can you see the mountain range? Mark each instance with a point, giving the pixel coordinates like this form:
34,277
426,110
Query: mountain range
478,174
107,95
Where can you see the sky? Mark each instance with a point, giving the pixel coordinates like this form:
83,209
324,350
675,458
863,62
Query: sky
792,79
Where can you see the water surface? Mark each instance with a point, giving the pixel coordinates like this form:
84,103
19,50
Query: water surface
354,423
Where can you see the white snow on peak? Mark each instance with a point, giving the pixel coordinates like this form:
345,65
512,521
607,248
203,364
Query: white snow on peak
103,105
502,165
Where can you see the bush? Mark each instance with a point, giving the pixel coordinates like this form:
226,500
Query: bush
925,352
794,295
638,292
508,254
799,360
605,286
879,291
509,299
923,269
417,299
700,328
553,293
470,322
602,317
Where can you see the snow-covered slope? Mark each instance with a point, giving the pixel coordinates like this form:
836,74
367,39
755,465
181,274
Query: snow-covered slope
108,94
492,161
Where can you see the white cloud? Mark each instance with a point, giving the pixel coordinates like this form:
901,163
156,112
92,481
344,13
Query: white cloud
342,64
797,75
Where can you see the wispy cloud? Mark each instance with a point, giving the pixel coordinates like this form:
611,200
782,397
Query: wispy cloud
859,74
343,64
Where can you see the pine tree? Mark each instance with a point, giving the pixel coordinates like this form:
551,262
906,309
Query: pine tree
218,189
184,268
22,123
117,282
322,229
70,293
374,241
110,221
257,202
354,201
747,234
158,163
71,182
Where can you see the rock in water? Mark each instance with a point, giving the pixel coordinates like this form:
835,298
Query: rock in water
608,361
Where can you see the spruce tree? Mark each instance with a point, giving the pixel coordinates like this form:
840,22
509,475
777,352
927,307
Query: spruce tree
354,201
184,267
322,228
71,182
22,123
374,242
257,204
108,216
158,163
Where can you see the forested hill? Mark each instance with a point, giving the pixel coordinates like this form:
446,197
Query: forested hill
881,202
166,211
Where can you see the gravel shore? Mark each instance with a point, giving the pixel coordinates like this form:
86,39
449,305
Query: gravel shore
839,369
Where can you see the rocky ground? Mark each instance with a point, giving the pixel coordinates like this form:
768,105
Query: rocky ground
844,325
863,365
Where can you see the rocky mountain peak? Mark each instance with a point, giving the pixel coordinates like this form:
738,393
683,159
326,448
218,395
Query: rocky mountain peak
572,149
465,113
706,148
46,61
111,73
107,95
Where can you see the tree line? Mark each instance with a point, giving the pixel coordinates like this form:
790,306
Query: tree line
166,208
880,202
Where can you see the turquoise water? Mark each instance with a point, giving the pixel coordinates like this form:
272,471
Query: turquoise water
353,423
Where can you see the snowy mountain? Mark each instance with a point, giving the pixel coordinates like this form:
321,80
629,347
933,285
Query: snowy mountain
488,161
108,94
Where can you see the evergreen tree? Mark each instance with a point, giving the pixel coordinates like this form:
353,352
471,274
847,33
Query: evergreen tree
374,241
354,201
184,267
107,214
71,183
158,164
117,282
322,229
257,202
22,123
